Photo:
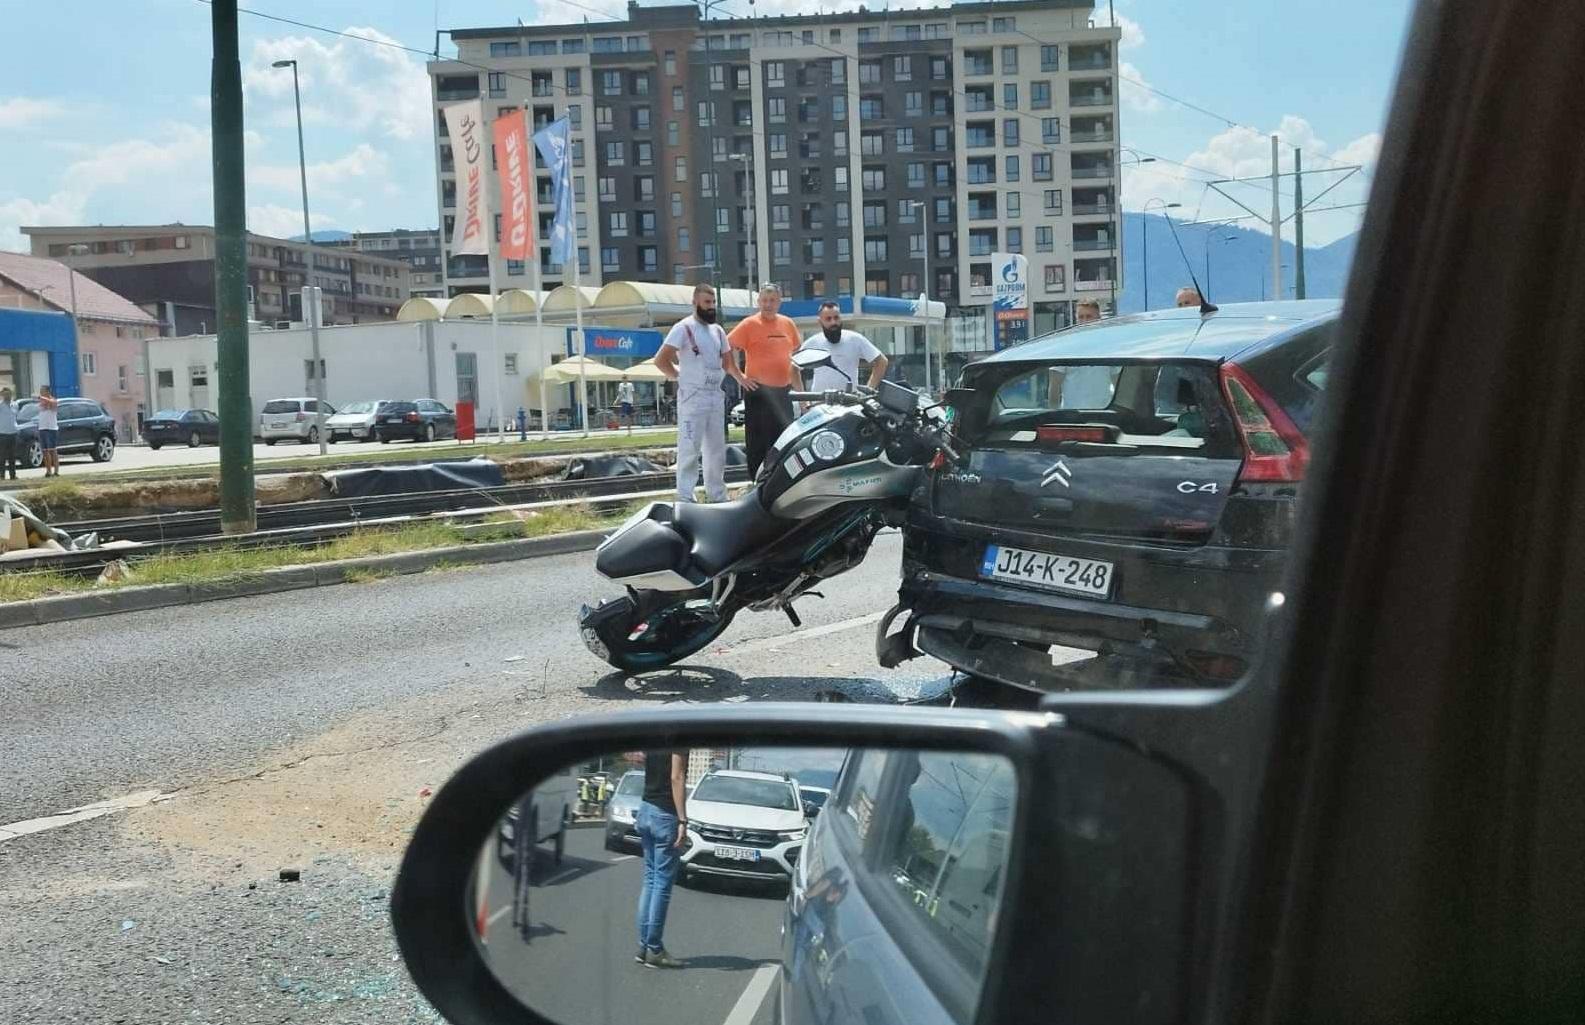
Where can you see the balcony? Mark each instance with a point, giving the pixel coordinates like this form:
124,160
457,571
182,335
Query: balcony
1089,58
1090,171
457,87
1085,138
1090,98
1092,284
1092,209
1092,245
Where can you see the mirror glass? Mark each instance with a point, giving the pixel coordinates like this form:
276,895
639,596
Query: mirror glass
808,359
806,885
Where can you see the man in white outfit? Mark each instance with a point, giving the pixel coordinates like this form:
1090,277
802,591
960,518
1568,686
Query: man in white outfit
848,349
695,354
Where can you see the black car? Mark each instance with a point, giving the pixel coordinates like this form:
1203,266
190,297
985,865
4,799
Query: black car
423,420
190,427
1126,489
84,426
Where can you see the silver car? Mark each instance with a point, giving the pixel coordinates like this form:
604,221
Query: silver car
292,420
355,422
620,811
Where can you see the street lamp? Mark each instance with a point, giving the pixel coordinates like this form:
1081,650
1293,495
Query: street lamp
1116,234
310,294
749,218
1144,239
1220,238
924,292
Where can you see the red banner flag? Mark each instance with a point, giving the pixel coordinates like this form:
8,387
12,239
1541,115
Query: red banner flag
516,171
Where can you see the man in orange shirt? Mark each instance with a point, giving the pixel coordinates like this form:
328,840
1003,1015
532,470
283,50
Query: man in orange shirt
767,341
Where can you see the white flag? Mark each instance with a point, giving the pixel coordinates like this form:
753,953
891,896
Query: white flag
465,125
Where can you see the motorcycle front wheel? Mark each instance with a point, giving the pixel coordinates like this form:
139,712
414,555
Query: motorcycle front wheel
622,633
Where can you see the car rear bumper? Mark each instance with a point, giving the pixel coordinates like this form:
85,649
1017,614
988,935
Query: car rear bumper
294,431
1178,615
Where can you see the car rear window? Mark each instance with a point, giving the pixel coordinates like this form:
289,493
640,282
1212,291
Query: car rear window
168,414
281,406
1153,405
358,407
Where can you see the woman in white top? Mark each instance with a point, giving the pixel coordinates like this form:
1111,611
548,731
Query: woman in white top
49,430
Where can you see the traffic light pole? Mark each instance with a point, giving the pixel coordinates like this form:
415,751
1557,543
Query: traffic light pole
231,274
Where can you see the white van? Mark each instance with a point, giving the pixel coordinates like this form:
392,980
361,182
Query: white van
548,809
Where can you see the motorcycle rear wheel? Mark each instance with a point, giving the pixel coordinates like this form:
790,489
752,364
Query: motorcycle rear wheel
620,632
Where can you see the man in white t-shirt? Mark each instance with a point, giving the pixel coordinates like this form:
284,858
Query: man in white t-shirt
848,349
695,354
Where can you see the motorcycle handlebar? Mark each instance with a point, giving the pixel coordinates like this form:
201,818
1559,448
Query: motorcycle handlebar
831,398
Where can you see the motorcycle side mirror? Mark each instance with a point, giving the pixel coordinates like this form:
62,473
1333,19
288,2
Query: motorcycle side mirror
809,359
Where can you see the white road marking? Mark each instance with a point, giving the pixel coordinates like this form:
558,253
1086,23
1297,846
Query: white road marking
12,830
747,1005
558,878
767,643
624,857
505,910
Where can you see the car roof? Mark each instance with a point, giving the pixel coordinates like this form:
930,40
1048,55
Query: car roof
1174,333
808,786
746,774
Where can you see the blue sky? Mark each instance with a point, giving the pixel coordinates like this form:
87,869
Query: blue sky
106,119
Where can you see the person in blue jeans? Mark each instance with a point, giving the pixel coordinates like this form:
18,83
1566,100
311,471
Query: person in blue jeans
662,823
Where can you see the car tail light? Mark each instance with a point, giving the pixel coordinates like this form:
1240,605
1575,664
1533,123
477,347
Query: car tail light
1052,435
1274,449
412,418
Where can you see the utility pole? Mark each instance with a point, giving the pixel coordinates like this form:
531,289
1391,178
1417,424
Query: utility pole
1276,224
317,376
231,273
1298,223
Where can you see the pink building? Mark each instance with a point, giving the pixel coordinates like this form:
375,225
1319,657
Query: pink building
110,331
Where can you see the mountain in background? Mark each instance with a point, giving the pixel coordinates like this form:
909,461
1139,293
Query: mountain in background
326,235
1239,263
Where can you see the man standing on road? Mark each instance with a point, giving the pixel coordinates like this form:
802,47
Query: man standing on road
695,354
767,341
624,402
8,435
662,825
848,349
49,430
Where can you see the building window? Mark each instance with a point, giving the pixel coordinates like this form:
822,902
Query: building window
718,77
905,140
679,169
682,240
1003,25
645,188
914,104
940,70
944,245
778,109
640,83
1044,239
610,83
616,224
874,179
610,259
781,251
740,75
1056,277
497,84
574,82
844,250
839,177
778,181
672,135
670,62
869,34
871,108
778,146
571,46
513,49
706,113
903,69
776,74
1010,132
1015,204
90,363
575,115
814,250
615,154
710,249
943,173
648,259
781,216
1009,60
1015,240
1053,201
607,44
641,119
1012,166
676,204
1050,129
916,247
838,67
870,144
839,144
839,108
723,221
875,215
940,139
875,250
916,175
971,28
1041,163
1048,58
707,184
843,220
1010,96
905,211
644,153
604,121
1040,95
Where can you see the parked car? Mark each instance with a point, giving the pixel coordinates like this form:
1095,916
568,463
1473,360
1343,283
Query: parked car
747,825
354,421
83,425
190,427
911,872
1128,489
421,420
620,811
293,420
737,416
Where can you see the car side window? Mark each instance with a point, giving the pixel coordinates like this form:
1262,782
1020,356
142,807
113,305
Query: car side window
947,854
861,783
77,411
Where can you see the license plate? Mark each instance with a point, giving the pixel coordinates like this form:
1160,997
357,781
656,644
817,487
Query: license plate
278,426
393,419
1052,572
737,853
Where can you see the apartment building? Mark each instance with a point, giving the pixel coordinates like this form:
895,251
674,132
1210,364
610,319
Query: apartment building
171,267
419,249
886,153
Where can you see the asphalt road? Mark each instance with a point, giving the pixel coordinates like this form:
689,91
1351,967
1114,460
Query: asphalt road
573,962
136,457
305,730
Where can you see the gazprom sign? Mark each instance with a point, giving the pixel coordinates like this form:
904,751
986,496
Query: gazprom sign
1010,298
626,343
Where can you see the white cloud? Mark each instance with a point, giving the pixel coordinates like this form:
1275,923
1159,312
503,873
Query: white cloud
61,208
355,84
23,112
284,221
363,163
1131,82
1364,150
1133,33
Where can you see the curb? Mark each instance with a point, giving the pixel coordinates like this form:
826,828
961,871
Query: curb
66,607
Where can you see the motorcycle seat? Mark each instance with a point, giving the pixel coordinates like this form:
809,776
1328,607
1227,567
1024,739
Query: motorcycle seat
724,532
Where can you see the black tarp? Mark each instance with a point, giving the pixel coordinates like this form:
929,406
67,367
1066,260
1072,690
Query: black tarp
401,480
586,467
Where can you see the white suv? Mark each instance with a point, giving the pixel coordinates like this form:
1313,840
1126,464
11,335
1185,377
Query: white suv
749,825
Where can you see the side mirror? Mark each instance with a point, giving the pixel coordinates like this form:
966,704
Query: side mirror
958,396
971,850
809,359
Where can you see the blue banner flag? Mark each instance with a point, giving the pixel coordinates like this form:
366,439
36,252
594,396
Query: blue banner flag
554,142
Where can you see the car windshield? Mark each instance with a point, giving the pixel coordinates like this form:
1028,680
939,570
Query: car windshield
631,786
358,407
282,406
761,793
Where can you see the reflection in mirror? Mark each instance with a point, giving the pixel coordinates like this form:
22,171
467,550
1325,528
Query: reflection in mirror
748,885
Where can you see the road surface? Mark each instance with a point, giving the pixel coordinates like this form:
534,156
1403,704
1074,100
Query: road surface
304,730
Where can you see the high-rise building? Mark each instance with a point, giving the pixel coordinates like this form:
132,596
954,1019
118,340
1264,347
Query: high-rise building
886,153
419,249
